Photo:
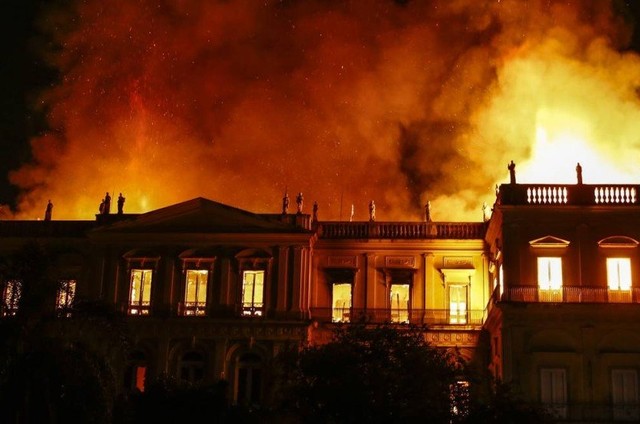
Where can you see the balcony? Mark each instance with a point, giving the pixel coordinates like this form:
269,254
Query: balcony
569,194
415,316
569,294
401,230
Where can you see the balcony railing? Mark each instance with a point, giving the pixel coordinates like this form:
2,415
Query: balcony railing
401,230
569,294
569,194
415,316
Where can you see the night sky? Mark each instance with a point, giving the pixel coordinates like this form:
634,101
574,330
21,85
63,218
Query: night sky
24,76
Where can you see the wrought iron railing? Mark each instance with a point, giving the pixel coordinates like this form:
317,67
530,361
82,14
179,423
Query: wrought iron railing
412,316
569,294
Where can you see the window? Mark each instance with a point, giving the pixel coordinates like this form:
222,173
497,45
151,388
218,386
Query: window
341,304
195,292
550,279
252,293
624,394
619,273
553,391
66,295
459,399
399,295
136,371
191,367
457,304
140,291
249,380
11,293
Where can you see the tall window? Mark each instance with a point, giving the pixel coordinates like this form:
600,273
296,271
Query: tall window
341,302
140,291
399,301
624,394
252,293
619,273
553,390
458,304
195,292
249,380
550,279
66,295
11,293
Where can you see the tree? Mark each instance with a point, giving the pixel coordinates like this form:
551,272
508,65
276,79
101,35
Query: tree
54,369
368,374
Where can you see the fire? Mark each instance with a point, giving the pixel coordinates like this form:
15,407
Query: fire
348,102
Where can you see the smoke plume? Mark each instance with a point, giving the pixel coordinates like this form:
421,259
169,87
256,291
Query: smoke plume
347,102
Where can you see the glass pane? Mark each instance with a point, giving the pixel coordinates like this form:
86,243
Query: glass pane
66,294
341,302
146,287
457,304
399,301
196,289
619,273
549,273
252,292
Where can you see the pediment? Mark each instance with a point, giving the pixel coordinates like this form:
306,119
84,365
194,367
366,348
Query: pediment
618,242
549,242
199,215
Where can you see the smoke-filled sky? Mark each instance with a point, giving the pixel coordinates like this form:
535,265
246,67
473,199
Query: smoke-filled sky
401,102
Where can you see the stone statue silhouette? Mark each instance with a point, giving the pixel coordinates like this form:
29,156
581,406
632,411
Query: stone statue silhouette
285,203
579,173
121,200
106,209
372,211
48,212
512,172
299,202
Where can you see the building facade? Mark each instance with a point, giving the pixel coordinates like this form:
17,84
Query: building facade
211,292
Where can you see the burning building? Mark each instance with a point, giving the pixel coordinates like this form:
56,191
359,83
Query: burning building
214,292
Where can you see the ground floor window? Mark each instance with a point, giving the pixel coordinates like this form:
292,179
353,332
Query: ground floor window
624,394
249,380
553,390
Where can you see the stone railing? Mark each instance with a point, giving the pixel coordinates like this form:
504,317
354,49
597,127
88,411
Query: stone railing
569,194
401,230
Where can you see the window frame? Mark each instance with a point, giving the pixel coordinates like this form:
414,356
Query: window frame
11,304
140,306
341,314
251,309
556,401
397,317
67,289
199,307
623,409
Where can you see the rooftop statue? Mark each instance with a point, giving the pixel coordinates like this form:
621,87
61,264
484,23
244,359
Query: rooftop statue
512,172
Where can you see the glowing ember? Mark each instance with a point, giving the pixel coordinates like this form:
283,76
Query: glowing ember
346,102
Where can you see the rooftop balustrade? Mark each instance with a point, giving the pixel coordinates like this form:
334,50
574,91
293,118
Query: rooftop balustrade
569,194
568,294
401,230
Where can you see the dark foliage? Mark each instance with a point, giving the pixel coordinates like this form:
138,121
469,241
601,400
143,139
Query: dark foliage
376,374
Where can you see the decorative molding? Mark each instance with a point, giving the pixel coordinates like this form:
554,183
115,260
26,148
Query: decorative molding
549,242
400,262
618,242
458,262
342,261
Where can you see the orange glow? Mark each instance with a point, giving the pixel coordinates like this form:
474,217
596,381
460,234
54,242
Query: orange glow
345,102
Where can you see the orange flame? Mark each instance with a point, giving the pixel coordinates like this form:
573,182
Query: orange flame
346,102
